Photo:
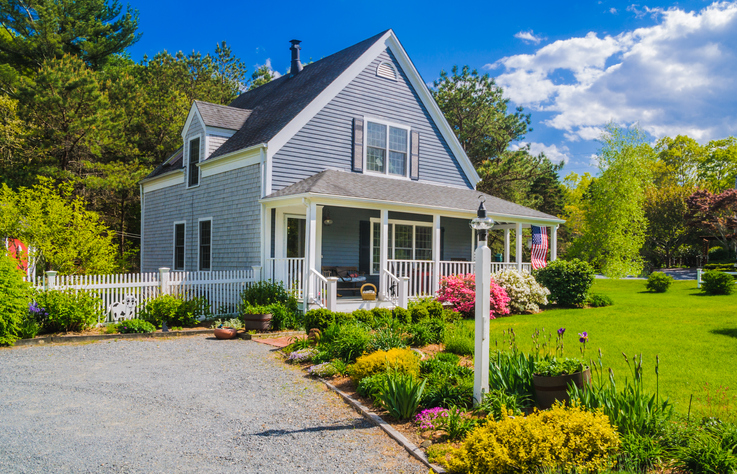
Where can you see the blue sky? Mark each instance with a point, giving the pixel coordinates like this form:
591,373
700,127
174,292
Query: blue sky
575,66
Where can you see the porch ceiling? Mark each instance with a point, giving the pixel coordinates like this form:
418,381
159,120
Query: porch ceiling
356,186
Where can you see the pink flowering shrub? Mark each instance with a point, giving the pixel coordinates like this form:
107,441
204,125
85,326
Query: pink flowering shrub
460,291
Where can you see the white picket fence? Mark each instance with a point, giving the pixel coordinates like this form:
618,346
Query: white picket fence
122,295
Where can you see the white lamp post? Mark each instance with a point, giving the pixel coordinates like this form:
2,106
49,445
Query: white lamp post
481,225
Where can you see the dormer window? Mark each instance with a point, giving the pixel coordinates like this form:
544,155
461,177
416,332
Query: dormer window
387,148
193,171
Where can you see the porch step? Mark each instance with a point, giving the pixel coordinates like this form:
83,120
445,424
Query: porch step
348,305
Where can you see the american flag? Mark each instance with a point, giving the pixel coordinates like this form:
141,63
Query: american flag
539,246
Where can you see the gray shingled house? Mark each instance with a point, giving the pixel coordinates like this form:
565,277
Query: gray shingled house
345,167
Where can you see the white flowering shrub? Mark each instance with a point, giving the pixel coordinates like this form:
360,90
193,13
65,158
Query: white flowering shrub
525,292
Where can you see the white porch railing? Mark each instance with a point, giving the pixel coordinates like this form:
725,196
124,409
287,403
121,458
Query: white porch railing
318,289
290,271
419,272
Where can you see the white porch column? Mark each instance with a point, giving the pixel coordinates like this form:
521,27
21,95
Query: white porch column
435,253
384,253
553,242
506,245
310,251
518,246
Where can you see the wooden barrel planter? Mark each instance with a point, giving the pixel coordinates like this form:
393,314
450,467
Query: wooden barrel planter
225,333
550,389
259,322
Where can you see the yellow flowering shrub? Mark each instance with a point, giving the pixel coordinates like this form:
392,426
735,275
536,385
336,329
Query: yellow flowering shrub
563,437
402,360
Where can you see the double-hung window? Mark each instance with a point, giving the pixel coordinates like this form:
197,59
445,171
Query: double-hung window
179,246
194,158
387,148
407,241
205,245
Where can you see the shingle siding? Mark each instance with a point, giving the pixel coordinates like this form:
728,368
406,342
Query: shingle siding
231,199
326,140
214,142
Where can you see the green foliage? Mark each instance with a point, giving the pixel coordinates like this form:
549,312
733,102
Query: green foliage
135,326
707,453
400,360
175,311
385,339
597,300
382,317
641,452
322,318
283,317
616,226
498,403
459,340
447,394
264,293
567,438
669,234
429,331
345,341
659,282
721,267
400,395
60,229
717,283
569,281
552,367
69,310
364,316
512,373
15,294
402,315
234,323
370,387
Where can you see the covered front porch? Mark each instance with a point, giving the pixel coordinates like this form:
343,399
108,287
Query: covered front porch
324,248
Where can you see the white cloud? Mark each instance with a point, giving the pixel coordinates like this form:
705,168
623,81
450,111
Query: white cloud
613,11
529,37
274,73
555,154
641,12
675,77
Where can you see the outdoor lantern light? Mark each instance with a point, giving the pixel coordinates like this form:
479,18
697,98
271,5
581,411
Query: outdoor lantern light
482,224
327,220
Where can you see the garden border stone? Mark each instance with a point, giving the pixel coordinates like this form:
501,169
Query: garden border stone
416,452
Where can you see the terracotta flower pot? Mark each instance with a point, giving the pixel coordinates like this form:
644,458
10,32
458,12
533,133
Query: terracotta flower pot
259,322
225,333
550,389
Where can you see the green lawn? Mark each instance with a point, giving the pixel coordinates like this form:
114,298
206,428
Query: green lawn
694,335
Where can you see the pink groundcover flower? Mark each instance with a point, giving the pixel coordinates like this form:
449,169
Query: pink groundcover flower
460,291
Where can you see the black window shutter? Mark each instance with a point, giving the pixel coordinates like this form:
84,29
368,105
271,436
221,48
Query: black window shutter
358,144
442,243
414,161
364,247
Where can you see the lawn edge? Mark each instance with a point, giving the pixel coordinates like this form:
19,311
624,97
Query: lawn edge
415,451
39,341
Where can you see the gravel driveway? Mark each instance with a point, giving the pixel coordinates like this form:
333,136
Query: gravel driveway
190,404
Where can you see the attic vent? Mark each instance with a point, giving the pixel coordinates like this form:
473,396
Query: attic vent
387,70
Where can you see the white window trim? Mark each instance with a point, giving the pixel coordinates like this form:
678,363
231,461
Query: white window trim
288,216
174,247
392,238
386,174
391,65
186,157
199,243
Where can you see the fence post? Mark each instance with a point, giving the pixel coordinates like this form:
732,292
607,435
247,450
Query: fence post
51,283
256,272
164,280
332,296
698,278
403,292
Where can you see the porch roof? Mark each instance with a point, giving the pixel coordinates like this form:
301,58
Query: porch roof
343,184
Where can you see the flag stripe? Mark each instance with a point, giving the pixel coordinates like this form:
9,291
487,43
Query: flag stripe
539,251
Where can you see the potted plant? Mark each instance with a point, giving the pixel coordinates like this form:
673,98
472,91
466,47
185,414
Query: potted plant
227,329
257,317
552,376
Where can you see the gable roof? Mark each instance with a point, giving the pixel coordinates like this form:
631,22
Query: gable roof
274,104
222,116
375,188
173,163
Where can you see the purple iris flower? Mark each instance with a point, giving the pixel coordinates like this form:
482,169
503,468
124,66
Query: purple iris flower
583,337
561,331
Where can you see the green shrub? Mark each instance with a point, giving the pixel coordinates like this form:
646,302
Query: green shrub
447,395
364,316
512,374
641,452
658,282
402,315
69,310
460,340
400,395
345,341
553,367
370,387
705,454
15,294
569,282
400,360
428,331
425,308
561,438
282,317
264,293
498,403
135,326
385,339
597,300
175,311
718,254
322,318
717,283
382,317
722,267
